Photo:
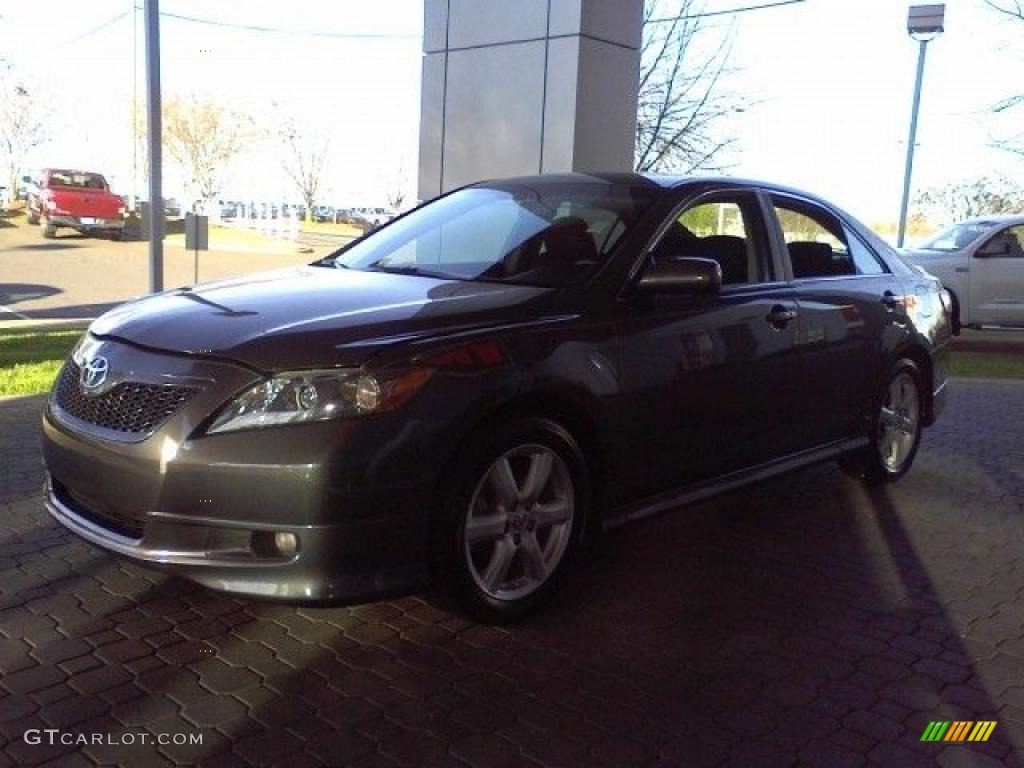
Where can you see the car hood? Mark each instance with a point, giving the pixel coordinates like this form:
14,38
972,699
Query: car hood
921,256
309,317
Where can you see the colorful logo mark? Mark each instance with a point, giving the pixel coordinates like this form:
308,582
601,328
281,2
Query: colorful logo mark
958,730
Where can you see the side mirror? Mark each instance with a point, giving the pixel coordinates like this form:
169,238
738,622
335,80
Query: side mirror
997,246
682,275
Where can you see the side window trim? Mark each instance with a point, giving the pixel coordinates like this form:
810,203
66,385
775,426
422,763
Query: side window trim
777,239
851,232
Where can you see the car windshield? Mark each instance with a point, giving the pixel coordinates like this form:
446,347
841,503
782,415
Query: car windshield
78,180
546,234
957,236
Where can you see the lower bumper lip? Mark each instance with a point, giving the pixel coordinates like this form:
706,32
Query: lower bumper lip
334,564
135,549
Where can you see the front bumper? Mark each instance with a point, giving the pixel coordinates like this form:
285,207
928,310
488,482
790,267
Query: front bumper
356,494
87,224
330,564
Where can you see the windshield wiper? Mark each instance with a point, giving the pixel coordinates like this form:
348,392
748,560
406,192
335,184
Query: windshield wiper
409,270
329,261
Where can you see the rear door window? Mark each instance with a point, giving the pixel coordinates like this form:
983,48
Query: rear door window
819,244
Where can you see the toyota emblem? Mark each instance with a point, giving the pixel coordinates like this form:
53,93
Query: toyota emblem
94,373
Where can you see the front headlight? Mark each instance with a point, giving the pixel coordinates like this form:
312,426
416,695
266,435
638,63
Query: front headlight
302,396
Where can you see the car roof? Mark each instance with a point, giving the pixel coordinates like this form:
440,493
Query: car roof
659,180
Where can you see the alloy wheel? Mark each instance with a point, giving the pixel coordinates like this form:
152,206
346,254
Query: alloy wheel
898,422
519,522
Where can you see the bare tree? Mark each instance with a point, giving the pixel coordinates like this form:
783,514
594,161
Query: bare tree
396,198
1013,8
1015,143
24,120
684,65
305,160
202,138
966,199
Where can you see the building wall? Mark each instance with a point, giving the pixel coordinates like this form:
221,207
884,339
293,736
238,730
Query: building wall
530,86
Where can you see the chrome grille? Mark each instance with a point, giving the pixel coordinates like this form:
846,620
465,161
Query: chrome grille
129,407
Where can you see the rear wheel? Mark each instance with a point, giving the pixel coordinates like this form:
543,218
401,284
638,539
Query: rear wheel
514,521
895,428
955,311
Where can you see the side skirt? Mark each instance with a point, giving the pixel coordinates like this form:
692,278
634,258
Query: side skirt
693,493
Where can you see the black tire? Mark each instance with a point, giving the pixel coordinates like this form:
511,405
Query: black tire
459,566
872,465
116,235
31,216
49,229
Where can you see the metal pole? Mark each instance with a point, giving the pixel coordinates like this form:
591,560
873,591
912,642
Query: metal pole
134,207
921,51
156,201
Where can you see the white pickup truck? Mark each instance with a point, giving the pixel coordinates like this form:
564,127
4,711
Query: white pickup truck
981,263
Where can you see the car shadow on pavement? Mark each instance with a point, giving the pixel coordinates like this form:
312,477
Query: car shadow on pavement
12,293
71,311
791,621
51,245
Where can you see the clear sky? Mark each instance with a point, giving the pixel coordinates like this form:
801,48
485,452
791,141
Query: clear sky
834,79
828,84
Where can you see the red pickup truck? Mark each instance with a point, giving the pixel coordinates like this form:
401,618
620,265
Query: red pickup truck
80,200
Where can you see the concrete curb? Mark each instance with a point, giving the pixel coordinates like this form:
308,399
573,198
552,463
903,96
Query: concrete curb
1008,346
46,324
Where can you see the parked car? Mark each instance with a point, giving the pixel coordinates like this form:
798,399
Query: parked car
172,208
981,263
79,200
324,213
375,216
228,209
351,217
467,393
27,184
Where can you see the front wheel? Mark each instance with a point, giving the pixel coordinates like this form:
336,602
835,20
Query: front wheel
514,520
895,428
49,228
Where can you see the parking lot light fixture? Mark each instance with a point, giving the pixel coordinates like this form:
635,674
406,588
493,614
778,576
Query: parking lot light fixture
924,24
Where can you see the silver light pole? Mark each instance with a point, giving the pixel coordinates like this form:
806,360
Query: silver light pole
924,24
156,201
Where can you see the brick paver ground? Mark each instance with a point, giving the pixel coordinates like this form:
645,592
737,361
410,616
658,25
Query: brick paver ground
800,621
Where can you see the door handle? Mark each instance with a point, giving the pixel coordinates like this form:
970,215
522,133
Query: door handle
891,300
779,316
